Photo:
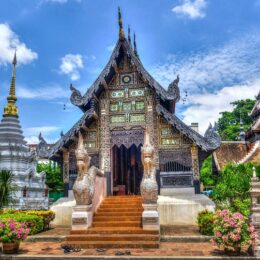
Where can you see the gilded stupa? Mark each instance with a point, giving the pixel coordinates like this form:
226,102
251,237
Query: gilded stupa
16,156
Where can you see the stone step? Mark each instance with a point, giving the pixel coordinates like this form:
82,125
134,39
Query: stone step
124,197
117,224
115,214
121,205
113,244
136,210
116,218
113,237
128,198
114,230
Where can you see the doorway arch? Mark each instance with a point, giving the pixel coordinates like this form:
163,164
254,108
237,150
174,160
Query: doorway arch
127,168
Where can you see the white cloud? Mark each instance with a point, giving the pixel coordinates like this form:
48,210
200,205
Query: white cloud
111,47
34,139
192,9
236,61
214,78
205,108
70,65
32,133
9,41
45,93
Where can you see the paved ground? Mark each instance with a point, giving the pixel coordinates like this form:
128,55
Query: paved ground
165,231
166,249
57,231
184,249
180,230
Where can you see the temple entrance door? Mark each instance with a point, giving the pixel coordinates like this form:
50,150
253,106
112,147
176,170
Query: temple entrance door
127,170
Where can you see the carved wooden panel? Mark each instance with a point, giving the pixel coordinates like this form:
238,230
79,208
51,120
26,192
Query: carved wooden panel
127,78
127,137
182,156
170,138
91,138
117,94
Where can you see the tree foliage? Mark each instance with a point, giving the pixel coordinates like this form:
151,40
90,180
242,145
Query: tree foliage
7,188
54,178
206,176
232,188
229,122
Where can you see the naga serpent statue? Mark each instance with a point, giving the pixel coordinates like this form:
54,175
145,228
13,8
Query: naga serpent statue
149,187
84,185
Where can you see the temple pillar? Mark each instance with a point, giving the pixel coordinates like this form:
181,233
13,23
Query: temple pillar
65,172
149,186
195,167
104,162
151,124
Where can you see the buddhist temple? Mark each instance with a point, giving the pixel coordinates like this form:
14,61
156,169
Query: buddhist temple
123,101
246,148
16,156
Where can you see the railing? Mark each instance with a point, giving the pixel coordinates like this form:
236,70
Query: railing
172,166
100,192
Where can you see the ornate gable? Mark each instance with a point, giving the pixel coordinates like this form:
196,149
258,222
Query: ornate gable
123,59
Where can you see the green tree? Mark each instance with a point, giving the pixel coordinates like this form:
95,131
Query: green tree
206,176
7,188
232,188
54,178
229,122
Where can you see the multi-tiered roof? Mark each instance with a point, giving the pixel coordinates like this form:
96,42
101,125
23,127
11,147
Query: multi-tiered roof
166,99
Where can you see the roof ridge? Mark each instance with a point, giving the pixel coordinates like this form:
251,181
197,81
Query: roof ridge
161,91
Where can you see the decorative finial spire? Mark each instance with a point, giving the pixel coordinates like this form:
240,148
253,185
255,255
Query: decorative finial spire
129,36
11,109
120,23
242,134
254,172
135,47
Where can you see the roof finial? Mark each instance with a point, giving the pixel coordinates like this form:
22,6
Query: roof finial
242,134
120,23
11,109
135,47
129,36
254,172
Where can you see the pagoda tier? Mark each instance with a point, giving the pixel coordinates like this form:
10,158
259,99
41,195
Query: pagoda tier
17,157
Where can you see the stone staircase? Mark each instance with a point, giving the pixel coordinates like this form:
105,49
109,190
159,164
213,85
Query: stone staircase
251,153
117,224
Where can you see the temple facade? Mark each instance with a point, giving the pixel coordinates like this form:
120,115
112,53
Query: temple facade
16,156
117,108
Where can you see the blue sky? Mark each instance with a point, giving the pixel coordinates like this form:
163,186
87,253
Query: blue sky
213,44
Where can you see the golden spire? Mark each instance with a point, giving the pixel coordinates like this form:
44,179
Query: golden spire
11,109
120,23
